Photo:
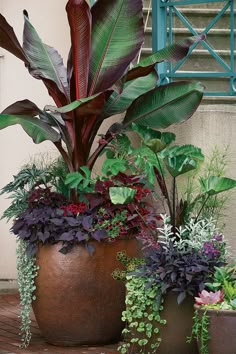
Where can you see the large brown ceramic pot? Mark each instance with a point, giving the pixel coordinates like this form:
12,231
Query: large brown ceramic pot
222,331
77,300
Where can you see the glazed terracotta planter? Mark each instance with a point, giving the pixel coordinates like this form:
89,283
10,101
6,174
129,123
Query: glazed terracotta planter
222,331
175,332
77,300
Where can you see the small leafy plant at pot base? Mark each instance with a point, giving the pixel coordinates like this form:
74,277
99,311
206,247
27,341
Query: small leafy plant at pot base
220,296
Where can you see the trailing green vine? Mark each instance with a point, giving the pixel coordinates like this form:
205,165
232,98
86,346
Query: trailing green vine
142,317
200,331
27,271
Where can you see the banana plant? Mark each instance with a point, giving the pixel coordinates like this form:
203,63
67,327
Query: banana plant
99,80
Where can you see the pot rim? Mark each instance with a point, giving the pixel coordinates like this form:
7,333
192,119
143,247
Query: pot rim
221,312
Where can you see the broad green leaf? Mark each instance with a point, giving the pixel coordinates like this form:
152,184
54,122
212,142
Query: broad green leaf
117,36
121,195
188,150
114,166
165,105
174,52
37,130
118,103
214,185
179,165
73,179
154,139
92,106
45,61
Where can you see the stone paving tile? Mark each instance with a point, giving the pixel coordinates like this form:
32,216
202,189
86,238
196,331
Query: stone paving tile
10,340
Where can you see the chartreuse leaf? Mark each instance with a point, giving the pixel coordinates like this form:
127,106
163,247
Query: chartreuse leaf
36,129
121,195
114,166
154,139
165,105
80,180
117,36
214,185
118,103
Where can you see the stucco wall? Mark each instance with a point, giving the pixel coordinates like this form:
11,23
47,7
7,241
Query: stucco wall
215,125
49,18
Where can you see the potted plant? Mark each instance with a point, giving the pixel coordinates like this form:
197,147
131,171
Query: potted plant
97,84
215,315
183,252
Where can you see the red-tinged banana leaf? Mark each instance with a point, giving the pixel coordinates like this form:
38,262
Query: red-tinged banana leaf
174,52
28,108
37,130
9,41
45,63
24,107
165,105
117,35
118,103
79,17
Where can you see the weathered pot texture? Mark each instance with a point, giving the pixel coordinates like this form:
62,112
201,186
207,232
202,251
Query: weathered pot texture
222,329
178,327
175,332
77,300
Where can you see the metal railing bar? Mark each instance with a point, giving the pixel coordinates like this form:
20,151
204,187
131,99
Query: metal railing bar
202,74
186,2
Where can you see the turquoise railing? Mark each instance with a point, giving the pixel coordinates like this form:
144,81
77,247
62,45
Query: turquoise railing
163,12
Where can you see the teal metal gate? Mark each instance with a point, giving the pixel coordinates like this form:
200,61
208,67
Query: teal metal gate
164,12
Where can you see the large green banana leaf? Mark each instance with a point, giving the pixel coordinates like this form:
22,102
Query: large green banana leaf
118,103
37,130
165,105
117,36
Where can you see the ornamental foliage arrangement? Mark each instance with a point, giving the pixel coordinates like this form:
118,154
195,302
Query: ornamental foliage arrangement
180,256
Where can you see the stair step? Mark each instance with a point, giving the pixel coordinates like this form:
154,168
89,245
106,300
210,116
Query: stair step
199,17
216,38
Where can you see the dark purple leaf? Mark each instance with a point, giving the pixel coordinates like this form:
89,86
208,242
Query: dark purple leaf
72,221
81,236
87,222
67,236
99,235
90,248
57,221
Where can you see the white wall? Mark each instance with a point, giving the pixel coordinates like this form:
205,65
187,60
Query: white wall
50,20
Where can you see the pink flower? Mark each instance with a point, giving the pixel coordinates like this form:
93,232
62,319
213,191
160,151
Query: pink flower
209,298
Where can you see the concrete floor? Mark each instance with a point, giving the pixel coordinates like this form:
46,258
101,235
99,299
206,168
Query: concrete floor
9,332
